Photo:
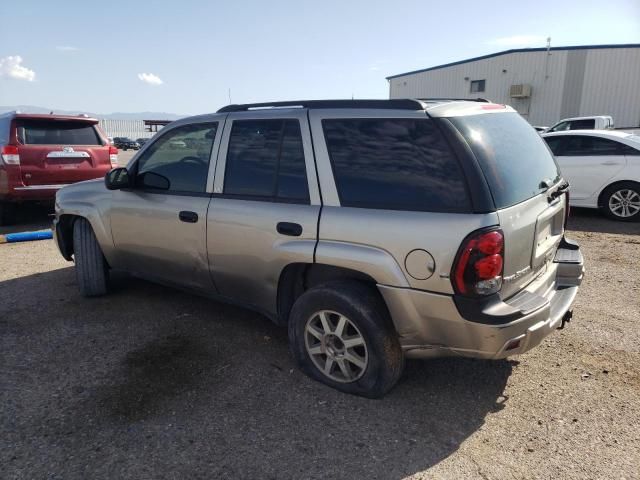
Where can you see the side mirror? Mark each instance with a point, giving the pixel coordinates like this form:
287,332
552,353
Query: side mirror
154,181
117,178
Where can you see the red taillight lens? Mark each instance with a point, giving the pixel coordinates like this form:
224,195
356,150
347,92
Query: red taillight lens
10,155
113,156
488,267
479,265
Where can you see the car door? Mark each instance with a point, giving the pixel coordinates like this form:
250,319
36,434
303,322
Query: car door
264,211
588,162
160,232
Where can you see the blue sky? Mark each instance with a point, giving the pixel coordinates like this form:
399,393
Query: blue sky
90,55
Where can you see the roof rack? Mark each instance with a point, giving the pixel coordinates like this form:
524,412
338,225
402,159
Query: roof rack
395,104
454,100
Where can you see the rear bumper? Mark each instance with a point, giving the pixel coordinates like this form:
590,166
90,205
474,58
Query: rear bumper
29,193
431,325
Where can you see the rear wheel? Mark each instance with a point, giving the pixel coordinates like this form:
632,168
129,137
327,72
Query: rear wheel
622,201
92,271
341,335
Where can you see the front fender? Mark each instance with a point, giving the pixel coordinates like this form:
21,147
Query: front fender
92,201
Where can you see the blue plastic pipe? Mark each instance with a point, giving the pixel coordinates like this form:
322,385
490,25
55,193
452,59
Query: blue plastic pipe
26,236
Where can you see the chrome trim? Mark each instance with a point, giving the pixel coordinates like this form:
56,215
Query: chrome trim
42,187
67,154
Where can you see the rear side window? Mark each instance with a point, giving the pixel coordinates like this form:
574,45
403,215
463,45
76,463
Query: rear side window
582,124
265,160
35,132
582,145
555,144
512,155
394,164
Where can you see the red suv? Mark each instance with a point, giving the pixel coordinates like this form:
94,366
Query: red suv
42,153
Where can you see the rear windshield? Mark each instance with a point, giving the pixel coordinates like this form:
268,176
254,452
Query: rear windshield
35,132
514,158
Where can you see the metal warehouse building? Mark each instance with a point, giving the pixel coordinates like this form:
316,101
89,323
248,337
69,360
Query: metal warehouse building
543,84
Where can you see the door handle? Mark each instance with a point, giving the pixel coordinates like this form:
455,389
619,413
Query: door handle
188,217
611,162
291,229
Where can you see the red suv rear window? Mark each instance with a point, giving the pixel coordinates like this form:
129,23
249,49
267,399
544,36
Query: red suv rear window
37,132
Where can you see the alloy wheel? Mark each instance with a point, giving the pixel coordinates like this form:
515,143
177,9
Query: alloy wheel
336,346
624,203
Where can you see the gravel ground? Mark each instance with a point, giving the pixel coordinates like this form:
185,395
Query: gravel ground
153,383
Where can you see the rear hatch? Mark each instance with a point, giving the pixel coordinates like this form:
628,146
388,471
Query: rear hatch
527,189
60,151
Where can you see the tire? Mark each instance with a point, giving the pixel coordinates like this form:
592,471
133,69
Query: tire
621,201
380,360
7,213
92,271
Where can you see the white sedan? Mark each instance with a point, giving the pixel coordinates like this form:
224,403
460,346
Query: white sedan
603,168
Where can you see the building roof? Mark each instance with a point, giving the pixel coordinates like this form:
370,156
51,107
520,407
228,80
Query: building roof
518,50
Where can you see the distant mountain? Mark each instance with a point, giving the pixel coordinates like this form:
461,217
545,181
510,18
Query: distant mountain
110,116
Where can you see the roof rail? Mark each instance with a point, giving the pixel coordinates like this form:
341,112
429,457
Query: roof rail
454,100
395,104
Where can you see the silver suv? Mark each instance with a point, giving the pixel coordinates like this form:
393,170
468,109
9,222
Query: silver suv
373,229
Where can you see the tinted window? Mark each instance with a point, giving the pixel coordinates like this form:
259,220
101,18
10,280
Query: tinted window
512,155
181,155
265,159
582,124
32,132
582,145
477,86
555,144
396,164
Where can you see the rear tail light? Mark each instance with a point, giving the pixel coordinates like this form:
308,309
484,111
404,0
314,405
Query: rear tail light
479,264
10,155
113,156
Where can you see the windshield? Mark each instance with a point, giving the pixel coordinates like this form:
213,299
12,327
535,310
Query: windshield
514,158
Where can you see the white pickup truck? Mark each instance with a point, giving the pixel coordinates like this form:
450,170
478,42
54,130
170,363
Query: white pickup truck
597,122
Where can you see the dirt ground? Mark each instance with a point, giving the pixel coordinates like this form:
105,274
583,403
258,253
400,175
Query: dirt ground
152,383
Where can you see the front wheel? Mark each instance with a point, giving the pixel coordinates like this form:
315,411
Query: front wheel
341,335
92,271
622,201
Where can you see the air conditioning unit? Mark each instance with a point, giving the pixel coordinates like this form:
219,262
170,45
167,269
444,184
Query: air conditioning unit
522,90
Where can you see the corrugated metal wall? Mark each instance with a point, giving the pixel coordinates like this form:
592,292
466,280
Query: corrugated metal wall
125,128
610,84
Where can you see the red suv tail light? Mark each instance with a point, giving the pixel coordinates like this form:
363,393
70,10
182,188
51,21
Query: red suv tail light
479,264
113,156
10,155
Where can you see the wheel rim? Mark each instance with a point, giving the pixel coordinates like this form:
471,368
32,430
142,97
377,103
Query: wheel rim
336,346
624,203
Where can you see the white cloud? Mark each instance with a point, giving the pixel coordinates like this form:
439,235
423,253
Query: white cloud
519,41
67,48
150,78
11,67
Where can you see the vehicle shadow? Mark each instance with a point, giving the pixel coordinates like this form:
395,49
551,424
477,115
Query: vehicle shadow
30,217
591,220
150,382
